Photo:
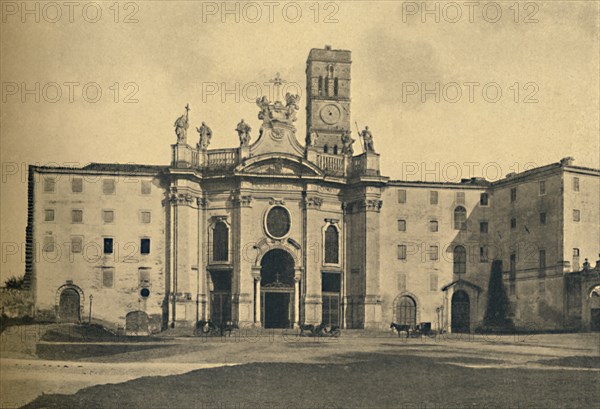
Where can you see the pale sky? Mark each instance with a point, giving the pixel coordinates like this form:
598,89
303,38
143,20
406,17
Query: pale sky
175,53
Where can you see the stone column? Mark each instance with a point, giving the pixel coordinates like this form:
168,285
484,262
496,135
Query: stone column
312,249
372,289
243,268
257,295
296,302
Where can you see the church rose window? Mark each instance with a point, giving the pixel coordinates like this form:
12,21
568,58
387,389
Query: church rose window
278,222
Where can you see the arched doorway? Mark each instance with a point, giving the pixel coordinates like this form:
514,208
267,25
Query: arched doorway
461,312
277,289
406,311
69,307
136,323
595,309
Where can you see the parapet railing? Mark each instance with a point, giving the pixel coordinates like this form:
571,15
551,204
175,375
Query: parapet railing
185,156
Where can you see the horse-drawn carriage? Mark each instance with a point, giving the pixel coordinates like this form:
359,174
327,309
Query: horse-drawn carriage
320,330
209,328
423,328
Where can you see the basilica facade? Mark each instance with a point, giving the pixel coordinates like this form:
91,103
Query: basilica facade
275,233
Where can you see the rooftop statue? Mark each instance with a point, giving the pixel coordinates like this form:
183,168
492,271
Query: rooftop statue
367,137
243,130
181,126
347,143
265,111
205,136
291,104
311,138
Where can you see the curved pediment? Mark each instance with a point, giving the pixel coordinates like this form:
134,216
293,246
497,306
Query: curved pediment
278,164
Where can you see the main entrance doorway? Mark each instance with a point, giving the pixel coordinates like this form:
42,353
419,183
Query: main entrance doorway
277,289
461,312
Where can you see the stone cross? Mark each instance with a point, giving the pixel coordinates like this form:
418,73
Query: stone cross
277,83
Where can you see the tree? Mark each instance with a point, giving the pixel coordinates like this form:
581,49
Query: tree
15,283
498,308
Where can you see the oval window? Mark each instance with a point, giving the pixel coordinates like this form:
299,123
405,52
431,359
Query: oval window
278,222
145,293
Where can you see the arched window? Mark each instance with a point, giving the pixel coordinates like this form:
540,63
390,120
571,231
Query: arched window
220,242
326,86
460,218
406,311
460,260
320,85
335,87
332,245
325,148
335,149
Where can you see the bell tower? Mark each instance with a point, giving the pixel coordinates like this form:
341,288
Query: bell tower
328,97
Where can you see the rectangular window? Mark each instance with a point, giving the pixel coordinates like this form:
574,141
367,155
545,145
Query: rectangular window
543,218
460,198
433,282
433,226
108,216
433,197
401,225
48,244
542,187
49,215
144,276
576,215
108,186
576,184
575,260
513,266
483,256
512,275
484,199
146,216
433,253
401,196
76,244
330,282
49,185
145,246
108,245
483,227
513,223
77,185
108,277
513,194
542,286
146,187
402,252
512,288
76,216
401,282
542,270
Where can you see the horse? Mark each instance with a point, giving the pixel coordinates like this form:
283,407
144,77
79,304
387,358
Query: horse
205,327
227,326
307,327
400,328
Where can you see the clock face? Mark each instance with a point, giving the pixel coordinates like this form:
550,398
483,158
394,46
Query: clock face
330,114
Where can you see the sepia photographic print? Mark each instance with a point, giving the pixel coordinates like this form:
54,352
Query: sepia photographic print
300,204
